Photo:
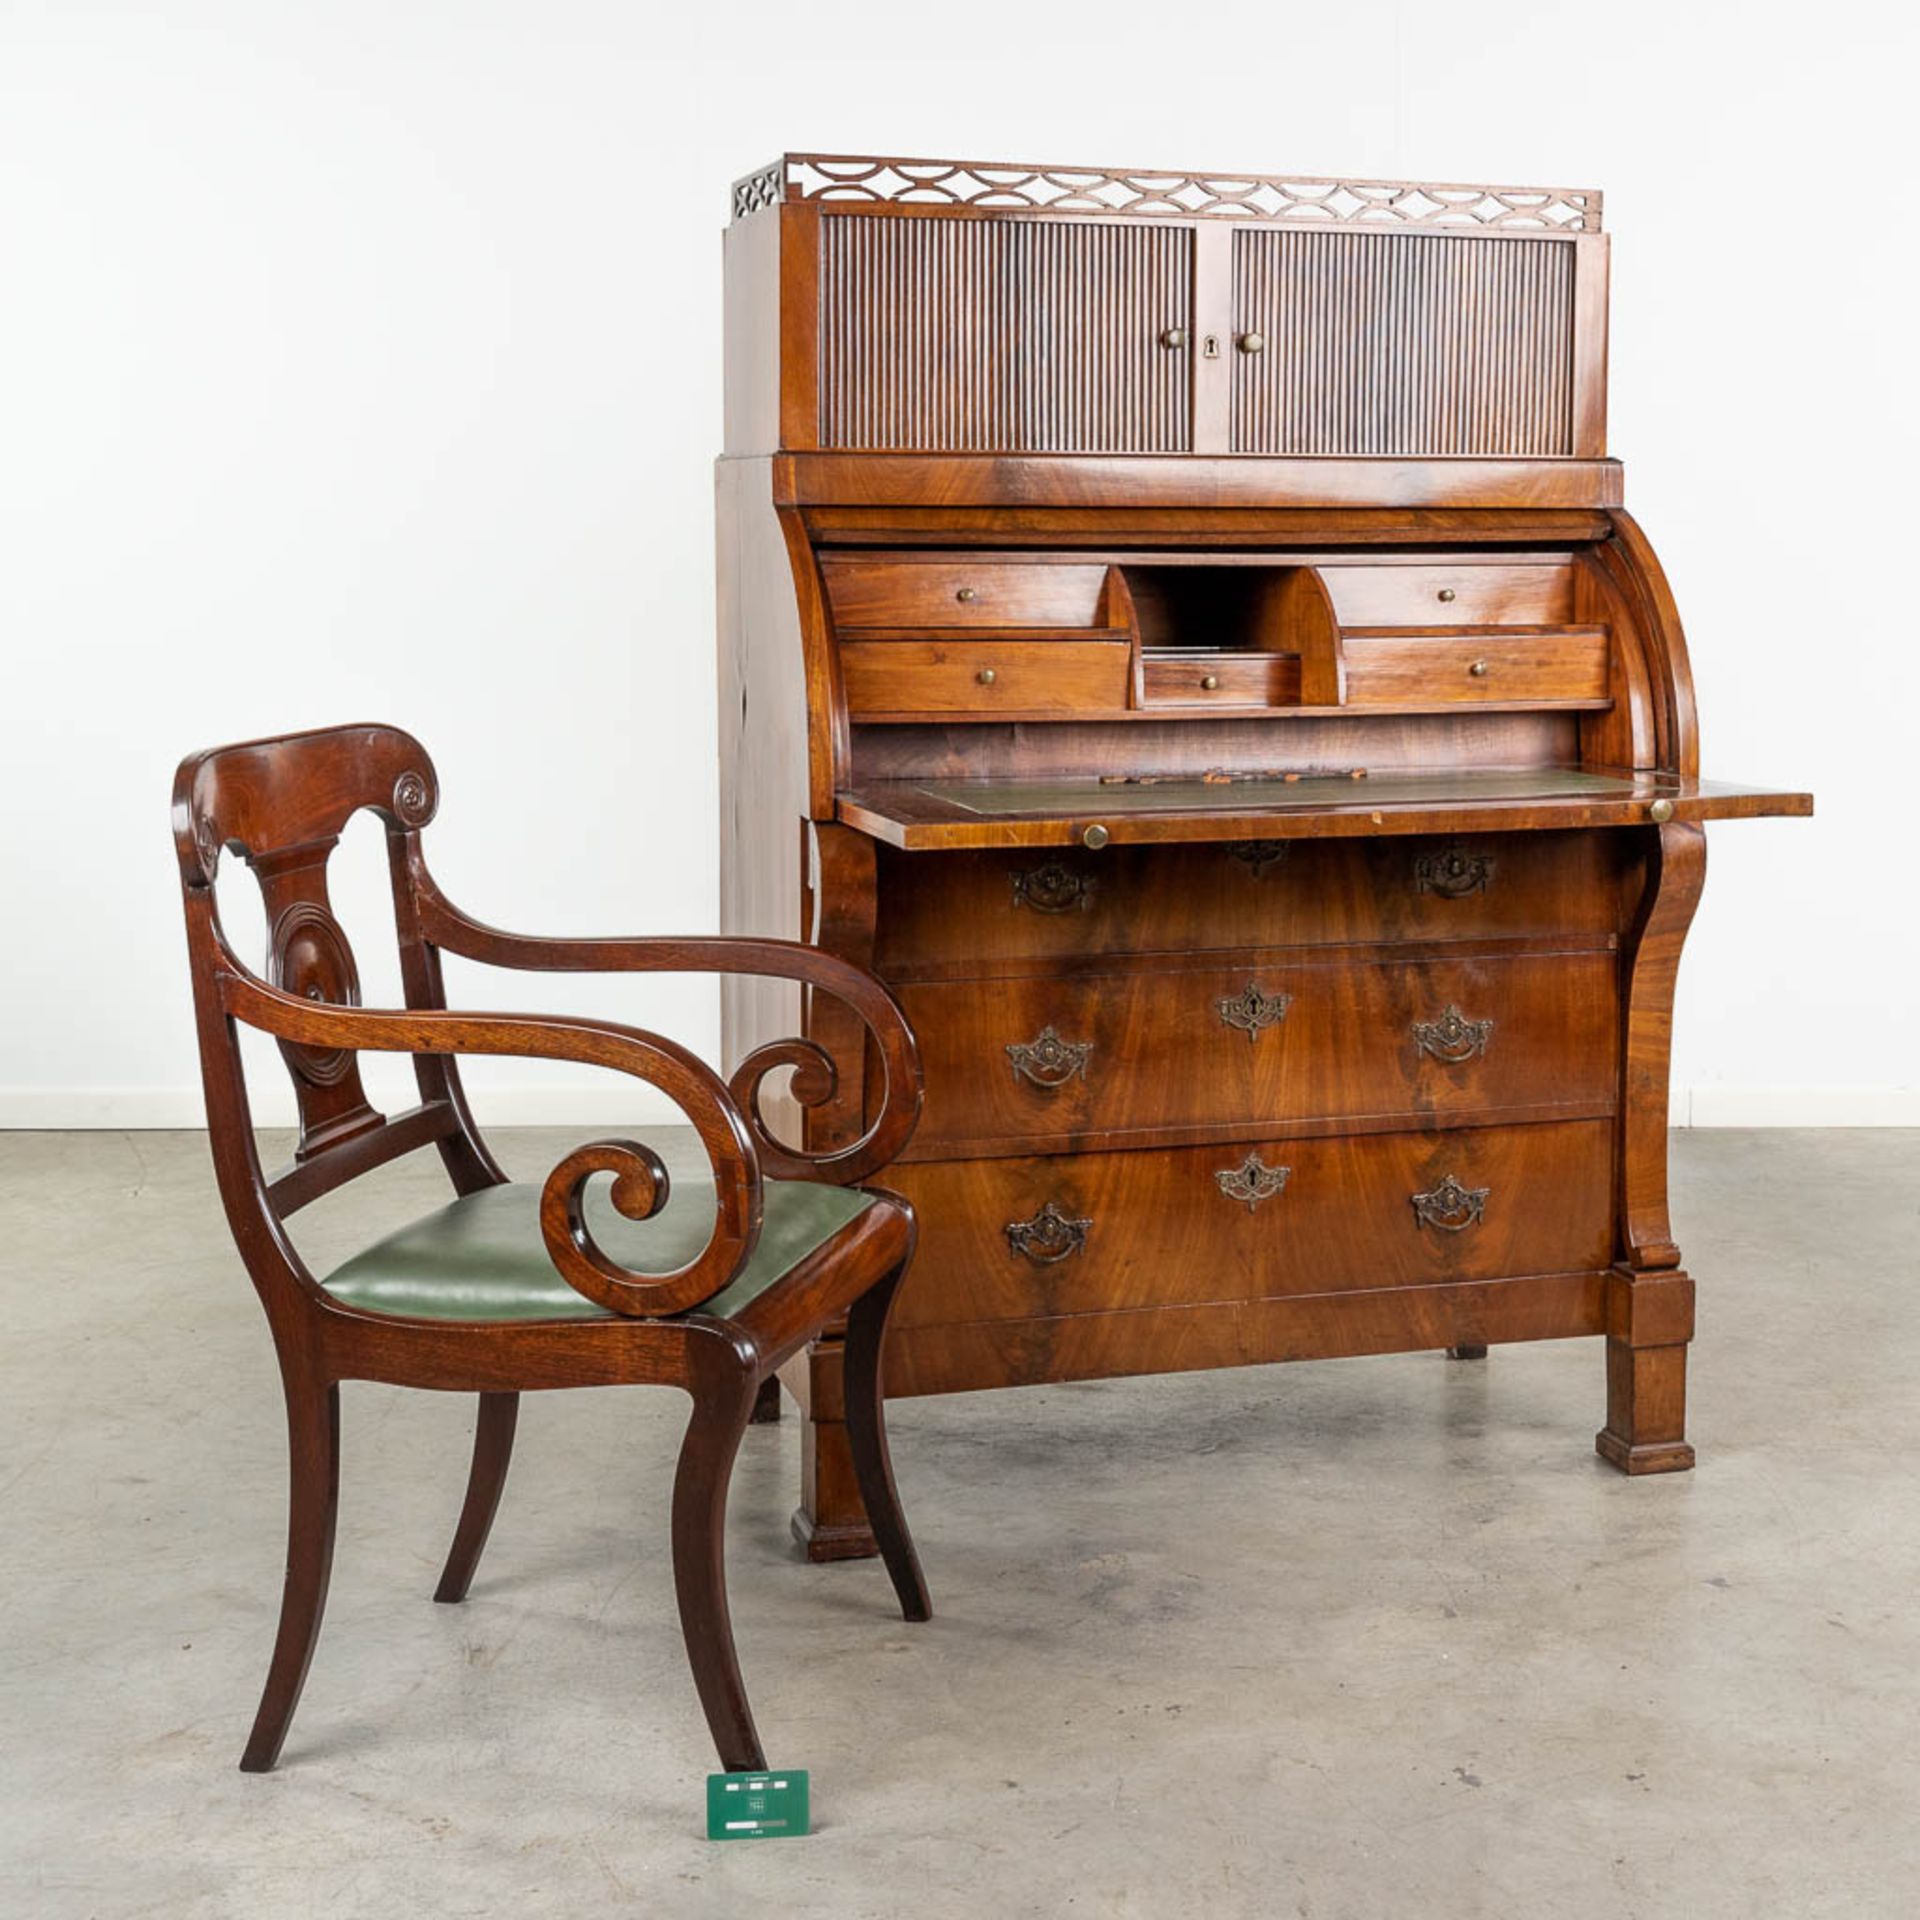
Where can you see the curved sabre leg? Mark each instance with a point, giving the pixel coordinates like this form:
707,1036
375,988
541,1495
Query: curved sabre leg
492,1454
867,1435
723,1399
313,1436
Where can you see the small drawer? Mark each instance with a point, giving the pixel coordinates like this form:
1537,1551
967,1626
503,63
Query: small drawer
1539,595
1095,1232
961,593
1243,679
983,676
1400,669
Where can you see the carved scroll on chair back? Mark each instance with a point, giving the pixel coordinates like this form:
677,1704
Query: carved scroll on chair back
279,807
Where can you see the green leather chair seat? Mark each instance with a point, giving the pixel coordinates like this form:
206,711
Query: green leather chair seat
483,1257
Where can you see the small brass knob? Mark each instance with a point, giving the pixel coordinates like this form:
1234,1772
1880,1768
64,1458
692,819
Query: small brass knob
1253,343
965,593
1095,836
1660,812
1174,337
1211,681
1479,669
986,676
1446,593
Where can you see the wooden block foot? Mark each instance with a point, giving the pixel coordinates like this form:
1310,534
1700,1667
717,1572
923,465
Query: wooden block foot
830,1522
1646,1430
821,1544
1660,1456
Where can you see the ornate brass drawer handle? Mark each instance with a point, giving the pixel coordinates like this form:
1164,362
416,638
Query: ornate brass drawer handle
1453,1037
1253,1012
1257,856
1452,873
1049,1061
1053,888
1450,1206
1251,1182
1049,1237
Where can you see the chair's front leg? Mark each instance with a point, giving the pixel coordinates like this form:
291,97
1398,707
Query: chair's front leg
867,1436
723,1386
492,1454
313,1434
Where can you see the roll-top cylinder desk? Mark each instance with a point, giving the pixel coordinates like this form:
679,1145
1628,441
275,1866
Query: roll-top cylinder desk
1184,634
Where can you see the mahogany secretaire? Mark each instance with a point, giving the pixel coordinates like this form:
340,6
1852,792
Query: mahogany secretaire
1183,632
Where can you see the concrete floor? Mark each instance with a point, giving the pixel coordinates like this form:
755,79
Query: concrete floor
1359,1639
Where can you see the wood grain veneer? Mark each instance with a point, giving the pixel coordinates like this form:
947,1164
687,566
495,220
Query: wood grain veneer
1161,1232
1163,1045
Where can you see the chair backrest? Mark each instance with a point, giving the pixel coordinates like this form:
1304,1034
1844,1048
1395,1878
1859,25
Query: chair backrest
281,805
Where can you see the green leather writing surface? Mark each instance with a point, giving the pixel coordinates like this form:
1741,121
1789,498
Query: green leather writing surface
483,1258
1162,795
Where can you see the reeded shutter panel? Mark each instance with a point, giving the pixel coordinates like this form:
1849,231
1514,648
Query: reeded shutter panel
1003,336
1398,343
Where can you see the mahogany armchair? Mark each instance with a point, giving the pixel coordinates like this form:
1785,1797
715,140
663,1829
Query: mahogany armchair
513,1287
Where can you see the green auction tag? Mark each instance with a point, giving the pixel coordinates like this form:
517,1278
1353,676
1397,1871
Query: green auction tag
757,1806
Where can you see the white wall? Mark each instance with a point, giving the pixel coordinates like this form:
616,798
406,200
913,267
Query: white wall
362,359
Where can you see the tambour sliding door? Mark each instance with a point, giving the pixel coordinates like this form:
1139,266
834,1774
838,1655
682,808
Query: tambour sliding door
961,335
1406,344
952,333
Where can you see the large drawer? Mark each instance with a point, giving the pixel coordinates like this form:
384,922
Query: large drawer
1012,1239
1278,1037
950,911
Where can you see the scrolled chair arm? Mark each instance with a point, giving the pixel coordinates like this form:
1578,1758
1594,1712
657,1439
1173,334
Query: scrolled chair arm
641,1185
816,1079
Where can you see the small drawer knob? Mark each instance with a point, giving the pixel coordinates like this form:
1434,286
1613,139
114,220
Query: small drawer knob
1211,682
1479,669
1174,337
966,593
1660,812
1253,343
986,676
1446,593
1095,836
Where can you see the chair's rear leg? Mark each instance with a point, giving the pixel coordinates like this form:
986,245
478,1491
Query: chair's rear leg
313,1431
723,1398
492,1452
867,1438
